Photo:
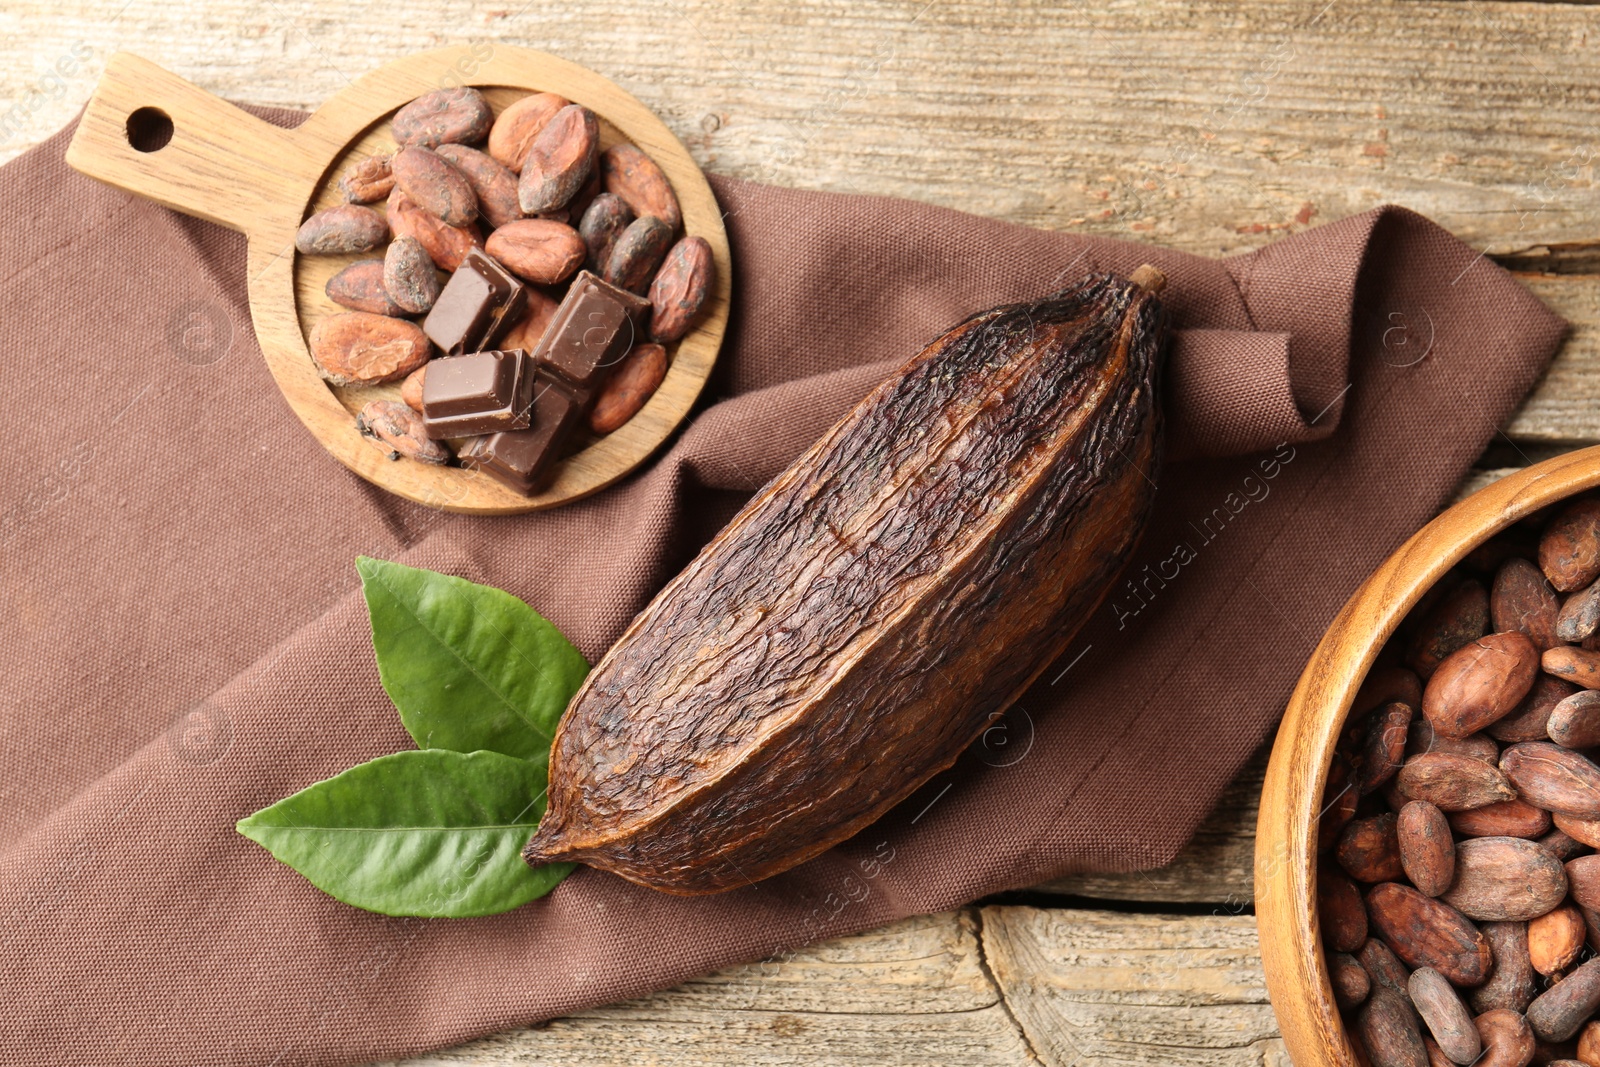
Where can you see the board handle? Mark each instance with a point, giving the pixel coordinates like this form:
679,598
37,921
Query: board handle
154,134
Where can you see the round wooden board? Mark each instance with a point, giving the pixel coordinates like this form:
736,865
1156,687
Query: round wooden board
230,167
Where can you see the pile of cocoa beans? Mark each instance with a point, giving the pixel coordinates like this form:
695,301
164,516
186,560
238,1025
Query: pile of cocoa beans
531,187
1458,885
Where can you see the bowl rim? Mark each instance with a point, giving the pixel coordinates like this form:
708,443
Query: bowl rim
1285,853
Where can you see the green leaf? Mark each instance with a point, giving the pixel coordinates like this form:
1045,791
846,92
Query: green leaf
470,667
431,832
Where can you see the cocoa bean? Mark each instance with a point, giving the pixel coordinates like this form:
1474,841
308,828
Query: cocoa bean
432,183
1575,721
560,160
447,245
1564,845
1553,778
492,184
1483,681
1488,557
1385,686
628,389
634,177
1369,849
400,432
341,230
1349,979
1569,551
1579,617
1513,982
1591,923
638,253
359,348
1384,967
1429,933
679,292
1436,1056
538,250
444,116
1453,783
1556,938
1427,851
584,197
411,388
1383,746
1589,1044
1388,1028
1505,879
1340,911
1558,1012
1507,1039
1420,738
369,180
1510,818
607,216
1583,875
522,120
1339,802
527,332
1531,720
1523,600
1462,615
1580,666
1444,1015
409,275
359,287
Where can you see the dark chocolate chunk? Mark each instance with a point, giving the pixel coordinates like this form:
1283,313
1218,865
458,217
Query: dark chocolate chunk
525,459
477,305
592,330
477,393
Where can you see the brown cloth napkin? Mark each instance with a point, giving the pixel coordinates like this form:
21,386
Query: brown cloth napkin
182,640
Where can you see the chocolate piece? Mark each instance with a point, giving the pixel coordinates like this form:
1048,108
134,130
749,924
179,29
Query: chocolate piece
477,393
592,330
476,307
525,459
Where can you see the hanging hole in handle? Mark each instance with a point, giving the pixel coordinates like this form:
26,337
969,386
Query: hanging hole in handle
149,129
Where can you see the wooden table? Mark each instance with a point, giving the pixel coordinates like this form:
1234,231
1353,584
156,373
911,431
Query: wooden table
1211,126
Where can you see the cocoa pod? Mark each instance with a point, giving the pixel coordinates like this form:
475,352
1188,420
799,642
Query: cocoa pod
1589,1044
1386,685
1427,851
560,160
359,287
638,253
629,388
1340,911
1510,818
444,116
1505,879
530,328
1579,831
1575,721
1429,933
1513,981
1420,738
1523,600
447,245
1462,615
411,388
812,747
432,183
493,185
538,250
399,431
1388,1028
1453,783
1369,849
1483,681
1349,980
1558,1012
369,180
1507,1039
1579,617
359,348
1553,778
522,120
1583,875
1446,1018
1569,551
409,276
341,230
635,178
1384,967
1531,719
1339,802
602,223
1555,939
1580,666
679,292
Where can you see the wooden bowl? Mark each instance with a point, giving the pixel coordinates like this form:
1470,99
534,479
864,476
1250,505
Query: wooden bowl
226,165
1286,830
